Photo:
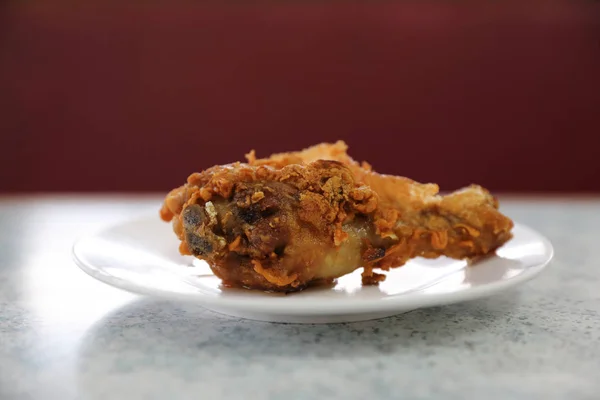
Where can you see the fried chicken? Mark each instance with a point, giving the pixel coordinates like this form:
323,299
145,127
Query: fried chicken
294,219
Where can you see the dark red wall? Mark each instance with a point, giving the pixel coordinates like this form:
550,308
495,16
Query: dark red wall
134,97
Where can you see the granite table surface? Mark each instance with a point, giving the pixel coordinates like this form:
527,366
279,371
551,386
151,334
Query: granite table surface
64,335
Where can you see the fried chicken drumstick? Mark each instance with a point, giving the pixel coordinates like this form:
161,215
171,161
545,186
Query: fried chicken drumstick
295,219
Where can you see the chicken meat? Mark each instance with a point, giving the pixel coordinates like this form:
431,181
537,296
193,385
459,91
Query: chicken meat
297,219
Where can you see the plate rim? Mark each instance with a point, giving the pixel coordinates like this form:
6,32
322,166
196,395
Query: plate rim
400,301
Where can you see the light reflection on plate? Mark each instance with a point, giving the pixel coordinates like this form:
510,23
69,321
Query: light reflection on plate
141,256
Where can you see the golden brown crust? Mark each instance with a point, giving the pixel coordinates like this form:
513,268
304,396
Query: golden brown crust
284,222
262,209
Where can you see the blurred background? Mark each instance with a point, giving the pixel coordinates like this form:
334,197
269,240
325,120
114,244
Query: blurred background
134,96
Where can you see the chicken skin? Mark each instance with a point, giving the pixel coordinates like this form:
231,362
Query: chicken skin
296,219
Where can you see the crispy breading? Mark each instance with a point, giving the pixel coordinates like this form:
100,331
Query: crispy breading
287,221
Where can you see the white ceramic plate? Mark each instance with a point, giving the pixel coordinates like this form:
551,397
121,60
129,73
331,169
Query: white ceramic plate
141,256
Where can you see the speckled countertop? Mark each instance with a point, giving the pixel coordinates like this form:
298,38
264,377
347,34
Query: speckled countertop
65,336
